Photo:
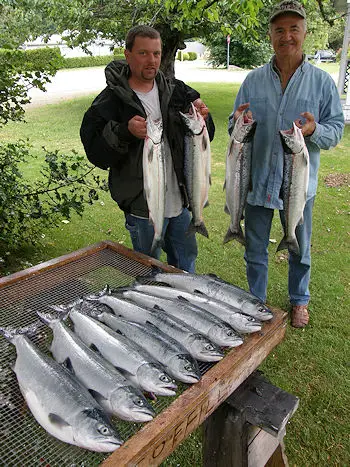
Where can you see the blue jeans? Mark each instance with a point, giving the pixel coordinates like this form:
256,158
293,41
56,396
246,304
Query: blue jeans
179,246
257,223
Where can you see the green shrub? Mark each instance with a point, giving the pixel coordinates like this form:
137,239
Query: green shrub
192,56
118,51
88,61
68,183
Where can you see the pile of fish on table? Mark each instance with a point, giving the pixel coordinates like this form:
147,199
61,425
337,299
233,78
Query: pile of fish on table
127,344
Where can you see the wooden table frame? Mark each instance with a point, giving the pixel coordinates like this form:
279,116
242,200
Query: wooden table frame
158,438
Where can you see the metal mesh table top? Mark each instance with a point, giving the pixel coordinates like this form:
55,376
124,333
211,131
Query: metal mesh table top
23,442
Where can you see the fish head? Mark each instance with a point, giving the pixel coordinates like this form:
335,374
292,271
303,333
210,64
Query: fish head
153,378
244,128
292,140
193,121
93,431
257,309
223,335
203,349
245,323
184,368
154,130
131,405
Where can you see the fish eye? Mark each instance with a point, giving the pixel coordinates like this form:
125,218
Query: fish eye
103,429
188,367
139,402
164,378
230,333
209,347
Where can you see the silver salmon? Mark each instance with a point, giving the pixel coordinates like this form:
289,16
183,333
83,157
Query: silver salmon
217,330
215,287
197,167
237,178
108,386
154,178
162,347
198,345
295,185
58,401
139,366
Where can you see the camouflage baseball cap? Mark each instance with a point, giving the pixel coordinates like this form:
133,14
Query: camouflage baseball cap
287,6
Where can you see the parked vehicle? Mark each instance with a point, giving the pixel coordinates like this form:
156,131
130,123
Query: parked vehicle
324,56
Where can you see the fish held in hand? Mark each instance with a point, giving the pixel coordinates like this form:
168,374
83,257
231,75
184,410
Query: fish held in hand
295,185
238,175
197,167
154,178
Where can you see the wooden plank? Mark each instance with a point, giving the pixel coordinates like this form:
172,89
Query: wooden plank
156,440
261,449
81,253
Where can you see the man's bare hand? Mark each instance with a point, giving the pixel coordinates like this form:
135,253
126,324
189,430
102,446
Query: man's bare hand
309,126
138,127
201,107
241,109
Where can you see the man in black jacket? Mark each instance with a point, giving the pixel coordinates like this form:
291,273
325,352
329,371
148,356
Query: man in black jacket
113,132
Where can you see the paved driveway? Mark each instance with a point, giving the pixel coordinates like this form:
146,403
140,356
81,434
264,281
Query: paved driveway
68,84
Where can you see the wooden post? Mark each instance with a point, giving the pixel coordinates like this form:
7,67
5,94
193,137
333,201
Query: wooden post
247,430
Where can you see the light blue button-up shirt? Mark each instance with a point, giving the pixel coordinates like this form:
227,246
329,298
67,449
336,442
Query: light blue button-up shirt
309,90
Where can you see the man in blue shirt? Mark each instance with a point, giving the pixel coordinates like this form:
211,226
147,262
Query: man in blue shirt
284,90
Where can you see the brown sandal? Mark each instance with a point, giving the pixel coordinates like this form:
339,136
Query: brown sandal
300,316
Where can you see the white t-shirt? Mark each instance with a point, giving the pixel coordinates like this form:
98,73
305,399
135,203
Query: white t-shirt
173,199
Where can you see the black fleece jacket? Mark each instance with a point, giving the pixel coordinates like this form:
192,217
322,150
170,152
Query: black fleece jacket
109,144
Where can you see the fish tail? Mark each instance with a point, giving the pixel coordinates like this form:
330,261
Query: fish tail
157,243
143,279
62,310
51,318
239,236
9,332
290,243
200,228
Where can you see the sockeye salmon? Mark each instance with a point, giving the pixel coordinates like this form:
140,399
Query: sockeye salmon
295,185
197,167
237,178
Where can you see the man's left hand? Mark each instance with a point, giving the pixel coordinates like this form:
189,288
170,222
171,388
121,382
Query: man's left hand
201,107
309,126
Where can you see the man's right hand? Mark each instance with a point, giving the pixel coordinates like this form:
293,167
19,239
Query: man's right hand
138,127
241,109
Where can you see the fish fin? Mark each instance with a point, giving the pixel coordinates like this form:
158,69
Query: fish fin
50,318
210,179
226,210
201,229
62,310
98,396
289,243
57,420
224,186
239,236
9,332
183,299
124,372
68,364
157,307
157,243
206,204
301,221
94,348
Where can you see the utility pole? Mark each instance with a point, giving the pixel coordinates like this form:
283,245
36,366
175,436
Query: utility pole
344,52
228,40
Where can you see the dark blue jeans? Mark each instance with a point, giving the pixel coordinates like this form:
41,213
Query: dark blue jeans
257,223
179,246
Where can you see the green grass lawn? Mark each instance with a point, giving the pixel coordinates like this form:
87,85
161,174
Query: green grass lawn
312,364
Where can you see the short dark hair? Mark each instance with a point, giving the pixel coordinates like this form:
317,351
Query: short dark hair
142,31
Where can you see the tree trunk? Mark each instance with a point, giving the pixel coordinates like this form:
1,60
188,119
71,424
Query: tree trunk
172,41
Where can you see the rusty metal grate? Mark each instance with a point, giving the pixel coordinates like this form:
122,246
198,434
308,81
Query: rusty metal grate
23,442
